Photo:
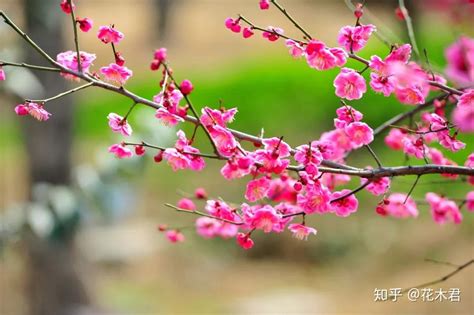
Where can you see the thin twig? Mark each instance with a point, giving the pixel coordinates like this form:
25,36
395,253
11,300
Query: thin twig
412,188
152,146
376,158
352,192
446,277
202,214
76,38
63,94
295,23
25,65
411,33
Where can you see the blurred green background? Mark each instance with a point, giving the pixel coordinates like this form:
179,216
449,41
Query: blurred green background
126,264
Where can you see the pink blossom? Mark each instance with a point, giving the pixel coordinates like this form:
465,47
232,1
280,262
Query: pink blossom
460,57
410,95
466,99
2,74
451,143
301,231
22,109
382,84
333,180
340,54
414,147
309,157
116,73
316,199
244,241
85,24
238,166
160,54
272,33
354,38
320,57
264,4
281,189
377,186
220,117
394,139
187,204
207,227
296,49
183,155
200,193
346,115
247,32
442,209
68,59
277,146
359,133
120,151
186,87
264,219
398,208
167,118
35,110
66,7
350,84
257,189
233,25
401,53
118,124
470,201
470,163
463,118
108,34
344,207
223,139
139,150
175,236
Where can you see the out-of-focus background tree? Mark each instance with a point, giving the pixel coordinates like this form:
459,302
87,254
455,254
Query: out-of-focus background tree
79,227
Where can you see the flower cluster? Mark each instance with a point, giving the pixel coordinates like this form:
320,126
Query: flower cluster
285,184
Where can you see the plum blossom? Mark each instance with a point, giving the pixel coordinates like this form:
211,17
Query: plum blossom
463,118
233,25
359,134
168,119
2,74
296,49
116,73
470,163
315,199
467,99
186,87
200,193
238,166
415,147
344,207
264,219
139,150
264,4
118,124
350,84
354,38
160,54
66,7
257,189
120,151
272,156
401,53
187,204
442,209
470,201
394,138
377,186
85,24
222,117
460,57
310,157
175,236
183,155
223,139
207,227
301,231
272,33
396,206
247,32
68,59
108,34
321,57
346,115
35,110
244,241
